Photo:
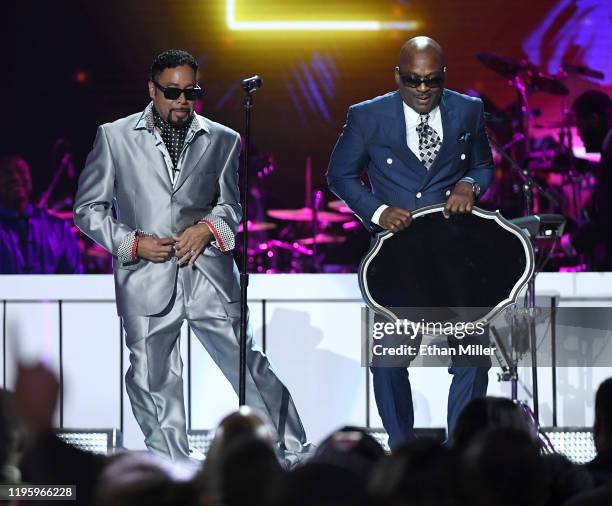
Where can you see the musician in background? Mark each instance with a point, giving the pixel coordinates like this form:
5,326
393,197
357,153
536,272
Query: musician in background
31,240
421,145
593,239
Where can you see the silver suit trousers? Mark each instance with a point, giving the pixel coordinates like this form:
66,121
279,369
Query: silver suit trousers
154,380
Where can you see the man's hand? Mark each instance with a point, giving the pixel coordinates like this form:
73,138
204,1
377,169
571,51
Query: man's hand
190,244
155,249
395,219
461,200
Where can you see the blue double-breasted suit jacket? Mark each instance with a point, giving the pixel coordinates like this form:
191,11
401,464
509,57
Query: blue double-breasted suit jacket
374,139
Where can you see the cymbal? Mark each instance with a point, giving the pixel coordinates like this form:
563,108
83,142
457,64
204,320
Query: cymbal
293,247
509,68
552,85
340,207
306,214
506,67
322,238
582,70
258,226
265,248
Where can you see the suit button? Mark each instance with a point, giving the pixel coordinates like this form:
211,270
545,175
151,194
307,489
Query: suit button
419,195
389,161
463,156
448,193
173,259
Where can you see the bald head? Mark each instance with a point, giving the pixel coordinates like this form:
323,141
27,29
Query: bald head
420,74
420,46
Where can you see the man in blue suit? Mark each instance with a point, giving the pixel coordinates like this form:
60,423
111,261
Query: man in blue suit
420,145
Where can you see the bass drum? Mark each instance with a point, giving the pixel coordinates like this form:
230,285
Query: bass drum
466,268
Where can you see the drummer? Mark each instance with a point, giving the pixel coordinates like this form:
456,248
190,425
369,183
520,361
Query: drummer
31,240
593,111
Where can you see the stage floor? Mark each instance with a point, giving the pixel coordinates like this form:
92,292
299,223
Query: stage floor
308,324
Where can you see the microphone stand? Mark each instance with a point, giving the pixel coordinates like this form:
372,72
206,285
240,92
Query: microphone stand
529,185
249,85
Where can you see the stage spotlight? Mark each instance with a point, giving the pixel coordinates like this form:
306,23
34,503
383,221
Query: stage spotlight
322,25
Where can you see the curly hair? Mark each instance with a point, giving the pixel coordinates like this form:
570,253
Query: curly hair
170,59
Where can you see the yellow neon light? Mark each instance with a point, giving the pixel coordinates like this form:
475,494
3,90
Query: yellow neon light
233,24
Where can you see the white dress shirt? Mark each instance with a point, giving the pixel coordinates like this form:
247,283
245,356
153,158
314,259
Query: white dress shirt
412,119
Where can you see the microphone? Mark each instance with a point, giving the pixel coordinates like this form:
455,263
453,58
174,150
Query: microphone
250,84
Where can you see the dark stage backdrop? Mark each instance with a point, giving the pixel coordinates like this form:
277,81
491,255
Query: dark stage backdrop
69,66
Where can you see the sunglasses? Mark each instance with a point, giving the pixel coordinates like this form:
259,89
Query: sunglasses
434,81
170,93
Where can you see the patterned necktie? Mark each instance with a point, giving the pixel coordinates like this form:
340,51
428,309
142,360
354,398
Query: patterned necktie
429,141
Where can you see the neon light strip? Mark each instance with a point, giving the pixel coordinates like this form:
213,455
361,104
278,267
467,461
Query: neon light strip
312,25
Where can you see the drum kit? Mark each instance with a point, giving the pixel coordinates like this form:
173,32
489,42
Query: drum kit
305,237
542,150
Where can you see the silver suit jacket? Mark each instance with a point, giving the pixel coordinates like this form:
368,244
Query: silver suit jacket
126,171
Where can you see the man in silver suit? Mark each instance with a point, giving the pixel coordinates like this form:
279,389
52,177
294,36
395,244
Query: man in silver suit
171,177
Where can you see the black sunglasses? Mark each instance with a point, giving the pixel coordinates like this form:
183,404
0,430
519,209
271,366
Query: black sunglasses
434,81
171,93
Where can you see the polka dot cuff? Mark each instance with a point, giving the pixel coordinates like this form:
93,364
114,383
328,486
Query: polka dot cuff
125,253
224,237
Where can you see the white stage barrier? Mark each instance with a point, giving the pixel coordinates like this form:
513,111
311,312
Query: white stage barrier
308,324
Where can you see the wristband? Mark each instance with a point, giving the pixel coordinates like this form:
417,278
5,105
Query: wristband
135,247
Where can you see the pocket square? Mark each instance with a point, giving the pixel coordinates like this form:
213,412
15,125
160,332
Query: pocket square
464,137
